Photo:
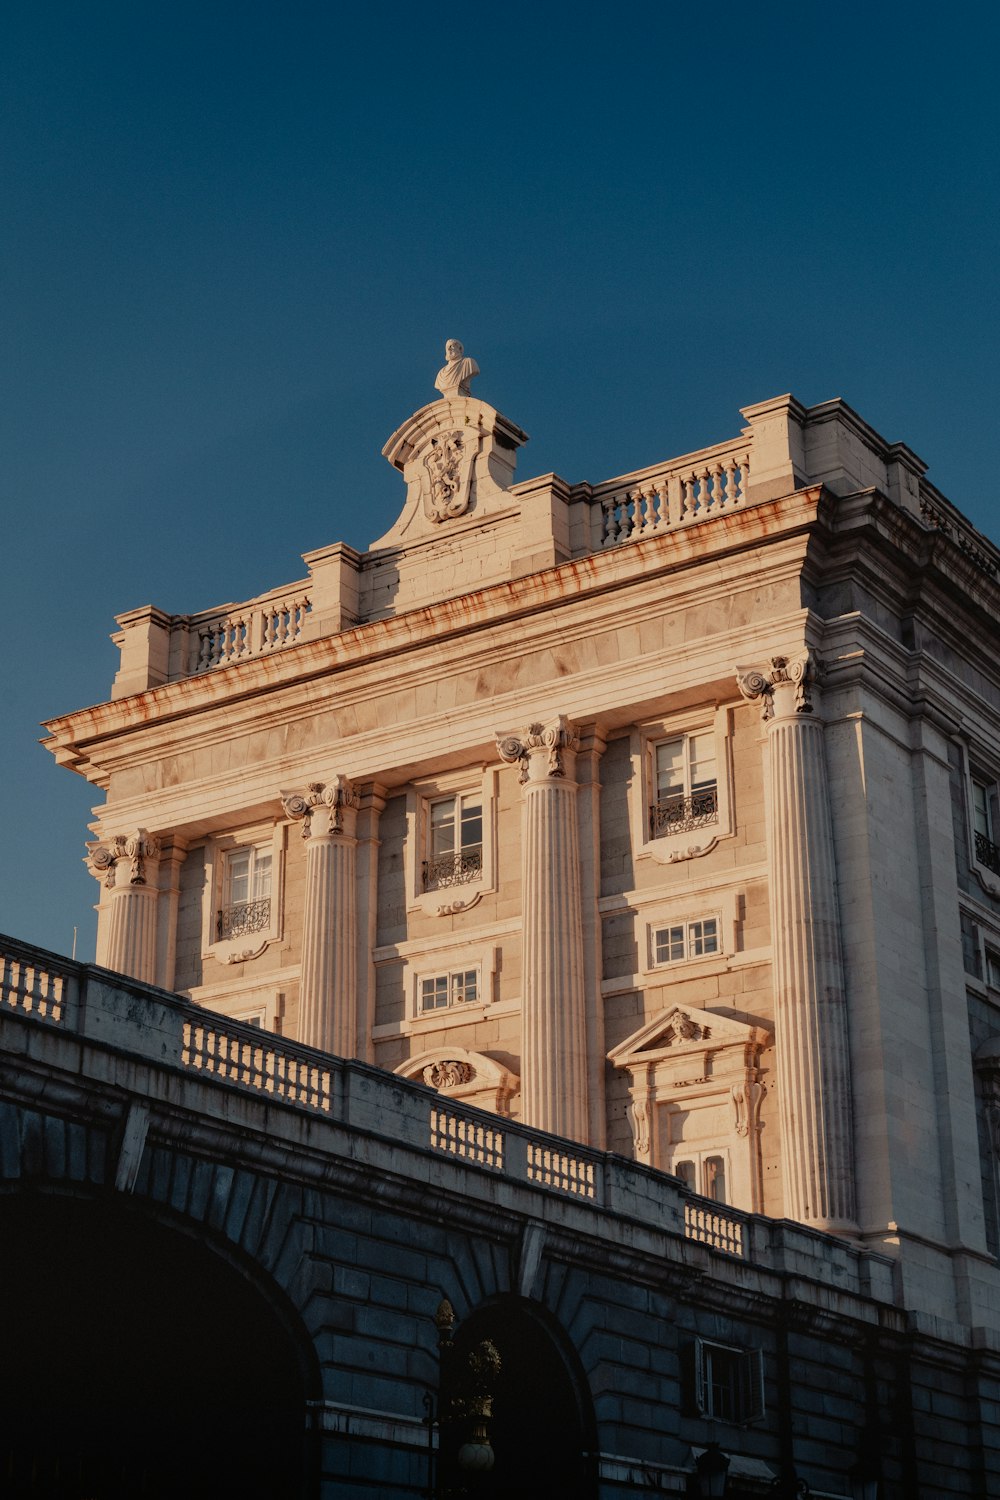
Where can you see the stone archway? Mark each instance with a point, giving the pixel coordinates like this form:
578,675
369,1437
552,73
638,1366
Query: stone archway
137,1362
542,1429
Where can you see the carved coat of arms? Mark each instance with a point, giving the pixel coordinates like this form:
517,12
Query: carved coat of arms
448,462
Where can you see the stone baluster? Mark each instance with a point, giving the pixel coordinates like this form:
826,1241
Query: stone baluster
126,863
810,1010
328,979
554,1092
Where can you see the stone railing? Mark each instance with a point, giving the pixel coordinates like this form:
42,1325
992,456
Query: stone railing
220,638
680,493
137,1021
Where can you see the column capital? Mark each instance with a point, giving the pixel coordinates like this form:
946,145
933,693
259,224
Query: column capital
104,856
530,744
329,802
786,686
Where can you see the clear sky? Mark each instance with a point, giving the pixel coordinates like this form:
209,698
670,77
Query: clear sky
234,237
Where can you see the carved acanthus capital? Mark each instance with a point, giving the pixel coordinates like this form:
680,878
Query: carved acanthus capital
328,801
794,677
549,740
104,857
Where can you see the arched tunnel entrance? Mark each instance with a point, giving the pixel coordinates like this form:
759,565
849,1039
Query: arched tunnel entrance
542,1427
137,1362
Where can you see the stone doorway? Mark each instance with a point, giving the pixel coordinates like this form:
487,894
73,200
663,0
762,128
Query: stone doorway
542,1429
137,1363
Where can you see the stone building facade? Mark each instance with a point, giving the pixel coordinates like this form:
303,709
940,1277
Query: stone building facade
661,813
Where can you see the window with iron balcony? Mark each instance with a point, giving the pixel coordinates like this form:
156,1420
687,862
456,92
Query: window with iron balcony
686,788
246,893
986,822
454,842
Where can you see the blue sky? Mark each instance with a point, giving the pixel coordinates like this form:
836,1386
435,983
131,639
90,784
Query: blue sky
235,237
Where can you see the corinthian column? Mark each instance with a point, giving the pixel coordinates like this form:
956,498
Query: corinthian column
810,1010
328,982
553,1021
127,865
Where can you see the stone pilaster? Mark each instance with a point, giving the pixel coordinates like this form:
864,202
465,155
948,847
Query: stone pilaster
554,1092
126,863
810,1008
328,980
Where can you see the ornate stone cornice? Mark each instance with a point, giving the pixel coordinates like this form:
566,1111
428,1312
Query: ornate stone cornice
103,857
333,798
799,674
551,738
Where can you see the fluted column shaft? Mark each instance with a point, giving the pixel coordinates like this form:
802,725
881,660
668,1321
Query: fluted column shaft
810,1007
553,1022
127,865
328,977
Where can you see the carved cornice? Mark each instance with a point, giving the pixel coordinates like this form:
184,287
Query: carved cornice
801,674
551,738
104,857
333,798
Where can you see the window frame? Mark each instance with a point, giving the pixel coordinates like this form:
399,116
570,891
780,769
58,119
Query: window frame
219,850
747,1366
979,777
471,781
693,837
685,925
432,964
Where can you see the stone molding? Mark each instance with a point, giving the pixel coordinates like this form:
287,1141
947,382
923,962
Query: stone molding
464,1076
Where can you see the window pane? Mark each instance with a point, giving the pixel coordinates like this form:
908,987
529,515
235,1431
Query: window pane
472,823
434,992
685,1171
668,944
993,969
465,986
261,875
704,937
702,755
981,809
715,1178
443,827
669,767
238,877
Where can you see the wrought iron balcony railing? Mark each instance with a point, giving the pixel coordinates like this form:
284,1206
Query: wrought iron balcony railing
460,867
245,916
677,813
988,853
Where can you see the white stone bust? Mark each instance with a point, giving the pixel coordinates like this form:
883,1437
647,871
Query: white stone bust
453,378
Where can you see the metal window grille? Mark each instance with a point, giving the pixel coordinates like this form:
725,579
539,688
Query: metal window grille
243,918
677,812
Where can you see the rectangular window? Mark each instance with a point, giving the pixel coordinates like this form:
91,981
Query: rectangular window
986,822
438,991
993,969
685,784
729,1382
454,842
971,948
246,892
686,940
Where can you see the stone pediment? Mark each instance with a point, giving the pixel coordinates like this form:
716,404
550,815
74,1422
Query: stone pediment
456,1072
677,1030
457,456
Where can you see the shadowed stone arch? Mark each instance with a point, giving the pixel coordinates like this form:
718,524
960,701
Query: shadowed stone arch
543,1430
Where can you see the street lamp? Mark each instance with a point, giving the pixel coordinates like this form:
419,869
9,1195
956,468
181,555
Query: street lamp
465,1394
711,1468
